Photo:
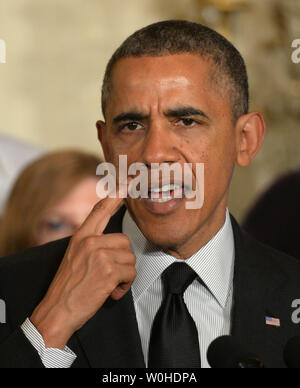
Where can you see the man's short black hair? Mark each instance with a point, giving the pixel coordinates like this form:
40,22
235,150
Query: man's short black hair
177,37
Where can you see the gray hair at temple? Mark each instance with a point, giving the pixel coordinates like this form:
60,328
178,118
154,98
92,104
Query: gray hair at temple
177,37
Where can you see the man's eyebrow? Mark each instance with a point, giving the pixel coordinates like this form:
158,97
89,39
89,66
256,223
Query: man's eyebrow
185,111
129,116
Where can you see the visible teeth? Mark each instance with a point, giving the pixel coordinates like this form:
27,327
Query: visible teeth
165,188
160,200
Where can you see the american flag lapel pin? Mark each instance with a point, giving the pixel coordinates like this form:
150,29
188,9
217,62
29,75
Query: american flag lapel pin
270,321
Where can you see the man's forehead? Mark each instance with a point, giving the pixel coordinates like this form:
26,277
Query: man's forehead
171,77
177,67
166,81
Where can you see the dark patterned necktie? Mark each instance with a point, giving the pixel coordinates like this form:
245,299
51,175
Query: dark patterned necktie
174,339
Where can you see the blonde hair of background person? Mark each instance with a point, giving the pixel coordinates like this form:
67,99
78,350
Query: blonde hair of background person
56,192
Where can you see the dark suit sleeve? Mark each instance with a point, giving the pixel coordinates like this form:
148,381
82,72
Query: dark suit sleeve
17,352
24,280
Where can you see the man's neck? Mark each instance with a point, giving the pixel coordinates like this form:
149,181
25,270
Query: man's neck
200,238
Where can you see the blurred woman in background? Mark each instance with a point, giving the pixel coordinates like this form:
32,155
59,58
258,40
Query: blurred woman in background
49,201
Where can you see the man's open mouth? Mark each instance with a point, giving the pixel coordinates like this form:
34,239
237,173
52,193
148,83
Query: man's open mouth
165,193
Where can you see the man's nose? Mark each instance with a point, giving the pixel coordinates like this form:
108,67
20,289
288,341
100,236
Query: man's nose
159,145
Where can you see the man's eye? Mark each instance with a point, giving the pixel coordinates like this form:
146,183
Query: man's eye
130,126
187,122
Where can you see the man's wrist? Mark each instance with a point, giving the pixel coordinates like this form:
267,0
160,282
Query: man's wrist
50,357
52,326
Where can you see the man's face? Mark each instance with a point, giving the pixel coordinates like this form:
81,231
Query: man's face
168,110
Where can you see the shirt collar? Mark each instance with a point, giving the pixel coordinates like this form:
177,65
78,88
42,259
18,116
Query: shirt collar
213,263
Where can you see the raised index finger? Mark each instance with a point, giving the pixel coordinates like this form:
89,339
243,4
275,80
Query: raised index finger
99,217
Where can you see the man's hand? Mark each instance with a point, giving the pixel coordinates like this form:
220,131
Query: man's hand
94,267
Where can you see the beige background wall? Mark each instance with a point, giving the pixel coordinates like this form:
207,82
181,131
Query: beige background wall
57,51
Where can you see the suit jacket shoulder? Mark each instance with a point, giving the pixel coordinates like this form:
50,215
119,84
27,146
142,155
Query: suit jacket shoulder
24,280
26,276
266,282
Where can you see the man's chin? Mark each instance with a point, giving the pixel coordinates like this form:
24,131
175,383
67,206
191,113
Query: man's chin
163,235
167,231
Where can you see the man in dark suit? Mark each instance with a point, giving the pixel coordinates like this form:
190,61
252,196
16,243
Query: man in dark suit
152,283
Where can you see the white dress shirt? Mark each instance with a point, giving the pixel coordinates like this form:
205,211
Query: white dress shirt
210,307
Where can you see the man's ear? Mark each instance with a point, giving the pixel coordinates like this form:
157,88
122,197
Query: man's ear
101,129
250,129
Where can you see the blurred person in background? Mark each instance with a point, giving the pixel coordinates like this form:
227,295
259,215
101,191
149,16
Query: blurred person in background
49,201
275,217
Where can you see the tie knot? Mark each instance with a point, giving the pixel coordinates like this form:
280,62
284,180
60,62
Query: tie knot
177,277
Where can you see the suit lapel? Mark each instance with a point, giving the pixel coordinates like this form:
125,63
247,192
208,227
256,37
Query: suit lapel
111,338
256,296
